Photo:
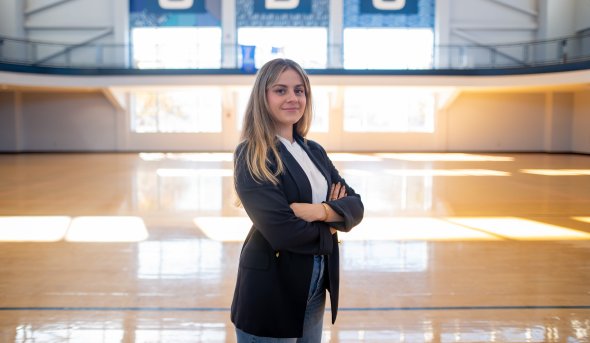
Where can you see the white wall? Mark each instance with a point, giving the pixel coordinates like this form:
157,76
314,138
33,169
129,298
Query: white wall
582,19
492,22
67,121
559,108
8,116
503,121
557,18
581,122
482,22
12,18
477,120
72,21
489,20
497,122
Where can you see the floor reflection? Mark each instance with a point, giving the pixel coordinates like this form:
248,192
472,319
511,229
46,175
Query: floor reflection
431,157
180,259
144,248
180,327
131,327
467,327
384,256
180,190
33,228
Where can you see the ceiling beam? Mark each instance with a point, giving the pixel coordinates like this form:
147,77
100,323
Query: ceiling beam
509,4
44,7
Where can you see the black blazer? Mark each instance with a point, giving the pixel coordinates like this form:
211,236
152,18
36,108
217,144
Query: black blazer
276,261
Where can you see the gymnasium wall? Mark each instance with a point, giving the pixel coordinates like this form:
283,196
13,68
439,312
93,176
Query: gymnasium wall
496,122
581,122
33,119
476,120
65,21
56,121
457,21
582,15
8,115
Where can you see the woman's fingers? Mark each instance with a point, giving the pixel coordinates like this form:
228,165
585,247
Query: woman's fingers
332,189
342,192
337,191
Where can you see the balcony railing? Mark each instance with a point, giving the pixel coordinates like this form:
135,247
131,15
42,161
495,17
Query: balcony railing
562,51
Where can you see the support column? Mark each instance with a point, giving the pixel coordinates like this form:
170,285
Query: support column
548,132
229,41
122,54
18,121
442,34
335,30
12,13
559,114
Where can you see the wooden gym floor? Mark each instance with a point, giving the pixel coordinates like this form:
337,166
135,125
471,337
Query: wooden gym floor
144,248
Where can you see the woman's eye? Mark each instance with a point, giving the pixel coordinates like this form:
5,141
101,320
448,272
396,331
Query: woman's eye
280,91
299,91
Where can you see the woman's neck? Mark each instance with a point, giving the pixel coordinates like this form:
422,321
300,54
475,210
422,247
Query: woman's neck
286,133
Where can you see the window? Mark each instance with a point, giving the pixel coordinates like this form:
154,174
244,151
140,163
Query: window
305,45
384,48
321,109
176,47
388,109
180,110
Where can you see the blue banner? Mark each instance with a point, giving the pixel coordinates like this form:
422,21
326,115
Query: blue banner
389,6
282,6
248,58
285,13
167,13
167,6
389,13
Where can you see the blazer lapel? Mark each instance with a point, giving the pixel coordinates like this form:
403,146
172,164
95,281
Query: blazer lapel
321,166
293,168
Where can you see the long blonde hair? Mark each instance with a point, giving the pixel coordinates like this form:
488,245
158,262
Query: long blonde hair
259,131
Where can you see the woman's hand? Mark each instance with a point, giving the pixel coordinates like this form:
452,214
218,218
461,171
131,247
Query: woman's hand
320,212
311,212
337,191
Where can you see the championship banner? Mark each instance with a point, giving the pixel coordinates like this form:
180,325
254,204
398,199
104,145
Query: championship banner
282,6
167,13
265,13
389,13
389,6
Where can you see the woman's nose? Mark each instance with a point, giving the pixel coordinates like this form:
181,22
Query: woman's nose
292,96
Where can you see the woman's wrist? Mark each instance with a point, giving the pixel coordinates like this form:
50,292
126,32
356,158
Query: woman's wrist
326,212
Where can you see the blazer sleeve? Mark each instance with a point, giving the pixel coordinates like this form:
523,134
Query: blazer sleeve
351,207
269,210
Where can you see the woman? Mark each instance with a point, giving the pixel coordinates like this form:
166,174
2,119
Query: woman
297,202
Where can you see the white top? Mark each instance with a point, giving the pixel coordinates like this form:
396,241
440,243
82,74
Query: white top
319,185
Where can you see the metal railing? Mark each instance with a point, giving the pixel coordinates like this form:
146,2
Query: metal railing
448,57
518,55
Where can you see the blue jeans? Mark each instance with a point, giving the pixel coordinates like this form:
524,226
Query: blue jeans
314,313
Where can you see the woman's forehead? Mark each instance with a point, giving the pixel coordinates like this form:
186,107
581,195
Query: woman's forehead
289,77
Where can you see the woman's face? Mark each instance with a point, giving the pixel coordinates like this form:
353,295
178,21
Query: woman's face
286,99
